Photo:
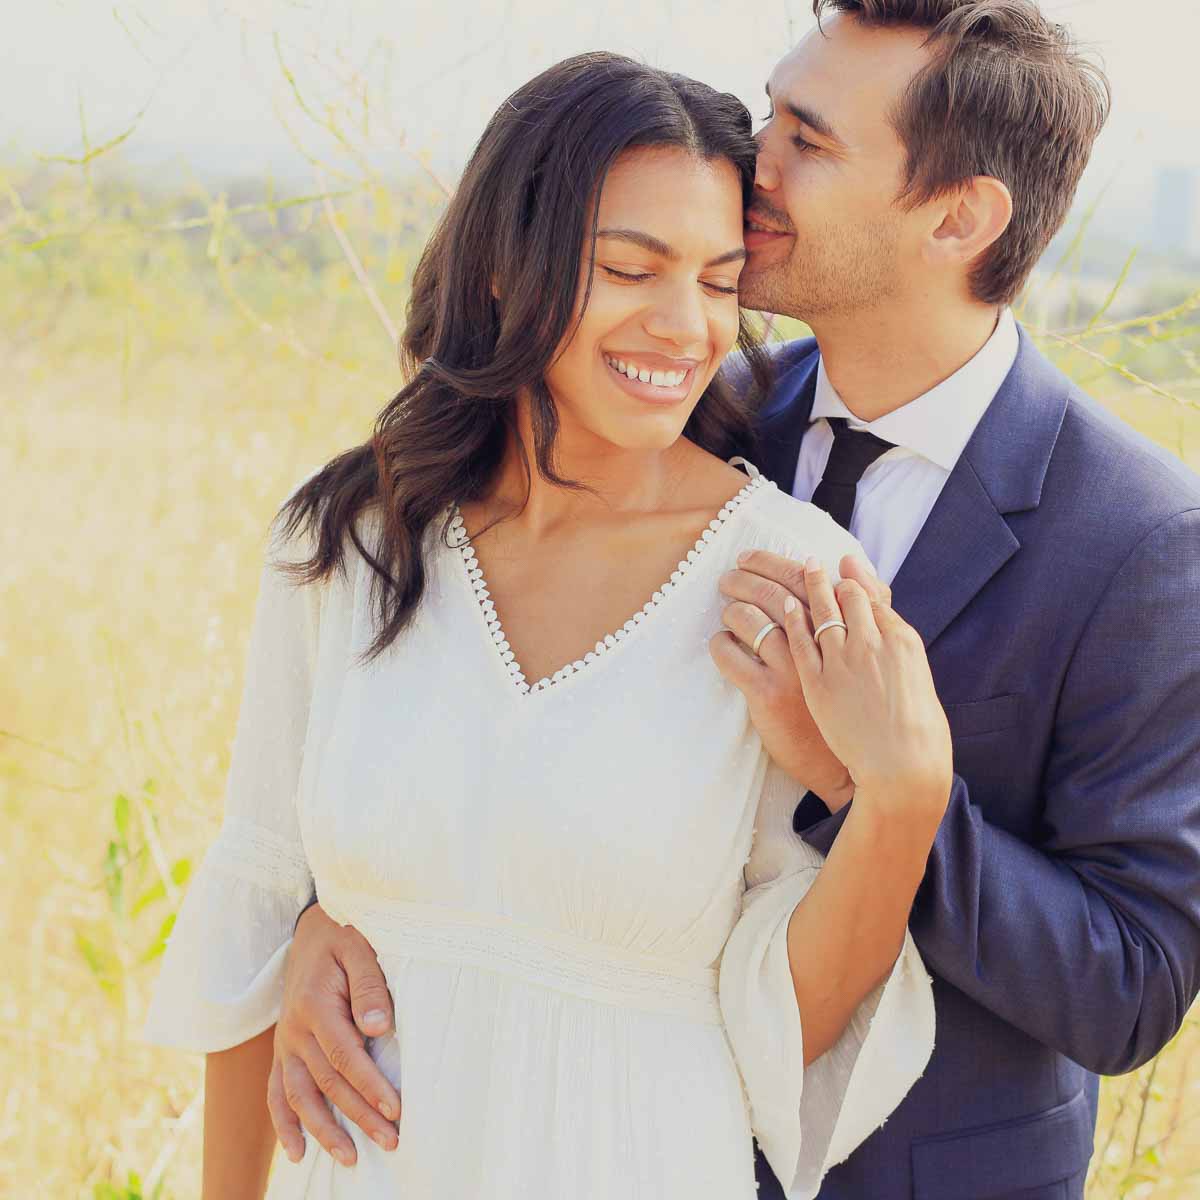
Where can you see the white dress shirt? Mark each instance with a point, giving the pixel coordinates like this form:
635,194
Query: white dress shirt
898,491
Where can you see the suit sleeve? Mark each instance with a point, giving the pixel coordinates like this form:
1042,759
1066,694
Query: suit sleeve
1089,941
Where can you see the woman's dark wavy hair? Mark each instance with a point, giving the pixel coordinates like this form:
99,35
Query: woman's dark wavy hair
528,199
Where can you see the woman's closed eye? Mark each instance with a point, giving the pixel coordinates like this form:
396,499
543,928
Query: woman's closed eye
640,277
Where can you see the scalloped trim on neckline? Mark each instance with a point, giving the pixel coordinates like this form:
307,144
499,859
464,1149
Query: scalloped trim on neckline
460,540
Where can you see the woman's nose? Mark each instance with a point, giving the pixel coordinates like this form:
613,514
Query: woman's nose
679,316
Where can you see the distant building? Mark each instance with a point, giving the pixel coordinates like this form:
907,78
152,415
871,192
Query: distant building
1177,210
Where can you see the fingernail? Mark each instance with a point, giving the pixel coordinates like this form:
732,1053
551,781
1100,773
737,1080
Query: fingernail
343,1156
388,1109
789,604
743,558
295,1155
376,1018
812,563
382,1142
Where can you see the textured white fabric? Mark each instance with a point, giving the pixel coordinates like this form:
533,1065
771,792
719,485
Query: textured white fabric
899,489
584,937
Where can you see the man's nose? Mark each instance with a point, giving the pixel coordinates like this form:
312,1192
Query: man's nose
766,174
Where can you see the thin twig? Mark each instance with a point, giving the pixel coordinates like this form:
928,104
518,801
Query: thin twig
356,266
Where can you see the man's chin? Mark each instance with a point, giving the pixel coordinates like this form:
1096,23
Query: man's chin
764,288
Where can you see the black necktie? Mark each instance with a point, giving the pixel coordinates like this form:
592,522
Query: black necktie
854,450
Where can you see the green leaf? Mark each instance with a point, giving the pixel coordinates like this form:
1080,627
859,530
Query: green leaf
159,944
154,893
121,815
101,962
114,878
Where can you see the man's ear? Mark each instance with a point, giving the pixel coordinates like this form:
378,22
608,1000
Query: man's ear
972,217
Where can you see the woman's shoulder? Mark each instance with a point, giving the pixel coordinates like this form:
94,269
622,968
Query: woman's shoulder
775,521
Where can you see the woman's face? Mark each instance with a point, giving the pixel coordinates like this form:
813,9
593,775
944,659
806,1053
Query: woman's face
663,310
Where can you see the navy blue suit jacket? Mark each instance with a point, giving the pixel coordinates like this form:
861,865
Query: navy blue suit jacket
1056,585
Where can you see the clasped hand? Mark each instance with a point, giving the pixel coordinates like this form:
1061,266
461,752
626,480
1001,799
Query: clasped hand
853,716
856,712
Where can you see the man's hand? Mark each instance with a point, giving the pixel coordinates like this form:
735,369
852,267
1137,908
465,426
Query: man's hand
870,690
770,682
334,995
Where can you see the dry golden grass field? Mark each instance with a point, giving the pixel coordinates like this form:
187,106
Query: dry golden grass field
171,365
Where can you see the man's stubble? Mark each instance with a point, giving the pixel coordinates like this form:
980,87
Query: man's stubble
833,272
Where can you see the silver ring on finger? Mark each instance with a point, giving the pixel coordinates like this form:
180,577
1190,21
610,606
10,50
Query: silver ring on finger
762,633
825,626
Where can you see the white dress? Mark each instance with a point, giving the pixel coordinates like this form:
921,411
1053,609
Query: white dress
578,891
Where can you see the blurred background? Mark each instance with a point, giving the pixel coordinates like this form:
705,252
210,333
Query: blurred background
209,213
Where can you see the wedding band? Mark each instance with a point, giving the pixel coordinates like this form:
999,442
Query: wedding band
762,633
835,623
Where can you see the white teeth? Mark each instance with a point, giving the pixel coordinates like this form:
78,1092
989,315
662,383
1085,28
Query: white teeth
645,375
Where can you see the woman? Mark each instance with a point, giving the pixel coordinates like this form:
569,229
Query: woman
485,727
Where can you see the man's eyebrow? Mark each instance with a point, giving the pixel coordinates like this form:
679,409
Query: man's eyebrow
810,117
647,241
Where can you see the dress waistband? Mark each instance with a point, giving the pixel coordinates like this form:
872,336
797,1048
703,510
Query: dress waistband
546,958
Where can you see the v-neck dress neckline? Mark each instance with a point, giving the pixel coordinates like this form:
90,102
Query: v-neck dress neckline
472,572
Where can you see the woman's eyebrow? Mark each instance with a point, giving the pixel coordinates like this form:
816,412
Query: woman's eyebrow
647,241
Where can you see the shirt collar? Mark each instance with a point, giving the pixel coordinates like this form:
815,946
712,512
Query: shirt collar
938,424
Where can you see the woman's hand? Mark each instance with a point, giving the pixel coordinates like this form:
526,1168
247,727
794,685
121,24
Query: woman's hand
870,690
768,680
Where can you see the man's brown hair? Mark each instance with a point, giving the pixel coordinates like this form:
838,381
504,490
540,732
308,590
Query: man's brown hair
1006,94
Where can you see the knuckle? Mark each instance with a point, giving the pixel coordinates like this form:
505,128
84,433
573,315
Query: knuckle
822,611
326,1079
339,1057
735,583
766,593
369,989
793,577
739,613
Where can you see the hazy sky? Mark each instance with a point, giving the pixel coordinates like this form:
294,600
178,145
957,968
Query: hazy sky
210,75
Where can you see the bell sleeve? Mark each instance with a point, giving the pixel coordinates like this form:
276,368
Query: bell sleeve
808,1119
221,976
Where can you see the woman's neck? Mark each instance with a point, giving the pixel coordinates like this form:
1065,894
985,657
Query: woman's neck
615,479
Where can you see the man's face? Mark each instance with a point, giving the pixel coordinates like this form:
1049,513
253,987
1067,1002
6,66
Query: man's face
830,167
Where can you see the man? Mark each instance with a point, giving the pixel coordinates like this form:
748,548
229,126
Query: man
918,157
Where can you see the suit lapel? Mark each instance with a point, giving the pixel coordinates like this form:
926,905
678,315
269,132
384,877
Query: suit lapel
784,418
966,538
962,545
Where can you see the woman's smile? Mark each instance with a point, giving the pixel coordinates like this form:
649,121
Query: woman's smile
652,377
